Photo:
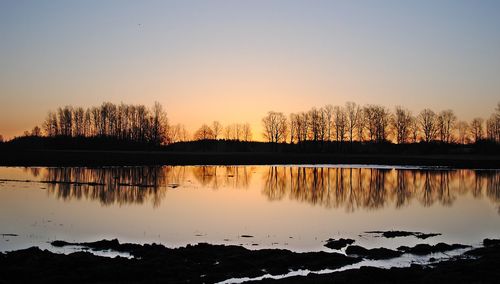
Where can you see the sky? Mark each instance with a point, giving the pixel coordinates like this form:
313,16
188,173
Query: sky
234,60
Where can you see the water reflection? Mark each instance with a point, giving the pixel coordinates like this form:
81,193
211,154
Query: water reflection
371,188
127,185
348,188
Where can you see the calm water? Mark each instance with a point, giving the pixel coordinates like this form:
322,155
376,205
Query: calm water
293,207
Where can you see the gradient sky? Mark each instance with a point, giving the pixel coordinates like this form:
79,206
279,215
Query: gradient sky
233,61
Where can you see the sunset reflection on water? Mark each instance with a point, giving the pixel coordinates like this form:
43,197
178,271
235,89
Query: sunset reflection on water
294,207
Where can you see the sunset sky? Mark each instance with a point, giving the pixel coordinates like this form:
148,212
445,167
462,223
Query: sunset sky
233,61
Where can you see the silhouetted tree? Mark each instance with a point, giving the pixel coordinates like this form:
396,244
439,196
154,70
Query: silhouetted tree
50,125
328,111
446,123
377,121
370,119
177,133
302,127
228,132
246,132
204,133
65,116
275,127
463,130
401,122
159,124
217,129
476,128
427,120
316,124
36,131
235,131
125,122
361,125
79,122
293,127
493,128
493,125
340,123
353,111
414,129
1,138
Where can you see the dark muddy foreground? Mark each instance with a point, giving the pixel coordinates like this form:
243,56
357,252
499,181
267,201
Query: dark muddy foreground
156,263
211,263
477,266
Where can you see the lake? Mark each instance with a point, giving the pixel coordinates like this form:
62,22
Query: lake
292,207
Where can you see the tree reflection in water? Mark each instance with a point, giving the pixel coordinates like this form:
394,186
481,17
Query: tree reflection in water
372,188
127,185
348,188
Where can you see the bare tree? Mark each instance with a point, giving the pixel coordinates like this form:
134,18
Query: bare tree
328,110
323,125
87,124
340,123
275,127
246,132
293,127
65,116
234,131
360,126
36,131
401,122
204,133
302,127
463,130
177,133
127,122
370,119
377,121
78,121
476,128
50,125
493,128
183,133
318,124
493,125
446,122
217,129
159,124
315,124
383,120
353,111
414,129
427,120
237,131
228,132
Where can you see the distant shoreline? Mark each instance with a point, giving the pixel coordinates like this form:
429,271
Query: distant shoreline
139,158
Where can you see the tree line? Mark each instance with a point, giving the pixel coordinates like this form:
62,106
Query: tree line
216,131
128,122
375,123
348,123
125,122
